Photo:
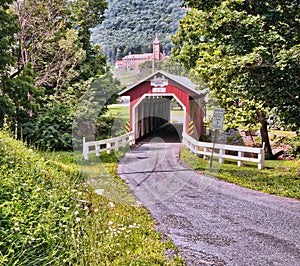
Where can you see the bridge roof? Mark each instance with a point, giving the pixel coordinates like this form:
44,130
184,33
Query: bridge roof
183,83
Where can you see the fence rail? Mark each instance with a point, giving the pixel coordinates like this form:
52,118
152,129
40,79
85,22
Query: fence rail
95,147
205,148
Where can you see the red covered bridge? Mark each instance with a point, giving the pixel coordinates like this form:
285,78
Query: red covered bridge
150,101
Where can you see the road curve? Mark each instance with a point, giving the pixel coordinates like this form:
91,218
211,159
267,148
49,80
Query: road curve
211,222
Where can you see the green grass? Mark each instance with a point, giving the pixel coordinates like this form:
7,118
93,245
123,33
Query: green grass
119,111
126,77
50,214
282,133
178,112
279,177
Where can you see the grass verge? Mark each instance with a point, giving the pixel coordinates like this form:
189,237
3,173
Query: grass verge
50,215
119,111
279,177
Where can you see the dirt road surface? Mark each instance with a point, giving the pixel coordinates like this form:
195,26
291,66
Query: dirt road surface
211,222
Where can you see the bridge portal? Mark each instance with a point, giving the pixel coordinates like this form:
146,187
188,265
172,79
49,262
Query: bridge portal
150,102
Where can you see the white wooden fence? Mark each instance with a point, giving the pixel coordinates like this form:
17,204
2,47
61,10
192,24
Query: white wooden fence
205,149
95,147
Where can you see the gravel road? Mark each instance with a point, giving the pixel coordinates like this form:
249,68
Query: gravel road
211,222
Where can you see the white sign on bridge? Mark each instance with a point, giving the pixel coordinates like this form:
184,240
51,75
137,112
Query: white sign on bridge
159,89
218,118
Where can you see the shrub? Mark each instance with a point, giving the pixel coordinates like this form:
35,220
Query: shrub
52,128
294,143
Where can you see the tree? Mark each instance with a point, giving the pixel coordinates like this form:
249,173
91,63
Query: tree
47,44
54,54
88,116
85,15
8,28
248,53
55,40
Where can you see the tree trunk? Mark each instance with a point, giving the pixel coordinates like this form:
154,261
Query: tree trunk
264,134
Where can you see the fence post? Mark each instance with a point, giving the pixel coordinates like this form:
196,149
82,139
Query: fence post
97,153
131,138
261,158
221,159
205,157
240,162
108,147
116,148
85,150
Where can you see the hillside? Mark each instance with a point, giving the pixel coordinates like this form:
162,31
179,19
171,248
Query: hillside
131,26
49,215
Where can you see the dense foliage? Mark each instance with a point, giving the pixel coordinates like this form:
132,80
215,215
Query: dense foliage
248,53
47,64
131,26
50,216
8,29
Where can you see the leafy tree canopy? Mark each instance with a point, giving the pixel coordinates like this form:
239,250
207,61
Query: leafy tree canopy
248,53
46,63
8,28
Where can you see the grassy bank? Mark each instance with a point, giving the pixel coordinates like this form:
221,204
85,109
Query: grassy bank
126,77
279,177
50,215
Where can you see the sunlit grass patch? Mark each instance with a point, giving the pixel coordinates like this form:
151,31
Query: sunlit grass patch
279,177
50,215
119,111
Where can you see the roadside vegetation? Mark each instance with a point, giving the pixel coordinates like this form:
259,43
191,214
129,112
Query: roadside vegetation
251,70
279,177
49,215
56,90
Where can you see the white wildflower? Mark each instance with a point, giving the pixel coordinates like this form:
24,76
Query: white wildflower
110,204
99,191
